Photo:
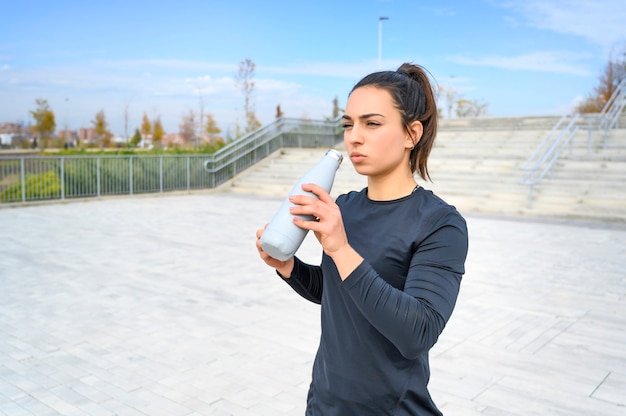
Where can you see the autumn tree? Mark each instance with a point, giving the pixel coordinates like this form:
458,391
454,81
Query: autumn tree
45,124
614,73
146,127
244,80
188,127
279,112
157,132
211,128
101,127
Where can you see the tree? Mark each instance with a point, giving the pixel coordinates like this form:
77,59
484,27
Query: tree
451,97
279,112
614,73
157,132
466,108
244,80
336,109
146,127
201,118
126,105
45,124
188,127
136,139
101,127
211,128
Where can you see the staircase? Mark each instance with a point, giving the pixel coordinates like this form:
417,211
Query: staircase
475,165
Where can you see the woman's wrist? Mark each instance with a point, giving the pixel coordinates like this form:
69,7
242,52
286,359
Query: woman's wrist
285,270
347,260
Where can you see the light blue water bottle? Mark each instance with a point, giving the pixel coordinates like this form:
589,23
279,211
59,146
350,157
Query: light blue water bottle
282,238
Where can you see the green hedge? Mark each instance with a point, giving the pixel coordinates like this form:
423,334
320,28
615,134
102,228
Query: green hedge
36,186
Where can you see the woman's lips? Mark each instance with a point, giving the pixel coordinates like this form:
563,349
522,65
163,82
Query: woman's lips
356,157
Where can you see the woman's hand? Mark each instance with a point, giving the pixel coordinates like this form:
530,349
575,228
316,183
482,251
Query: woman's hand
284,268
328,227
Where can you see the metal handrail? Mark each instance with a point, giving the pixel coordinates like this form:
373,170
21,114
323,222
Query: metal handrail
614,107
539,153
541,162
260,138
543,159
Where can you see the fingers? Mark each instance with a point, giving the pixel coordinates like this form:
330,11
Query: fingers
310,205
321,193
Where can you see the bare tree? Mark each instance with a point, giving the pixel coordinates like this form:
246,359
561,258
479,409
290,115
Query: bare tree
244,80
470,109
336,109
126,105
451,96
188,127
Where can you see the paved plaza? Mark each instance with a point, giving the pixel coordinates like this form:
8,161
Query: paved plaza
159,305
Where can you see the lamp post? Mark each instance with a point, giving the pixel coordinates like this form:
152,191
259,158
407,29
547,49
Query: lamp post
380,41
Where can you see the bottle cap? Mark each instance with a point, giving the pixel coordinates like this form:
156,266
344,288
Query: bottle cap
336,154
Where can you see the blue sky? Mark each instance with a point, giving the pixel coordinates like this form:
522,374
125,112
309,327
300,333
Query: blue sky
533,57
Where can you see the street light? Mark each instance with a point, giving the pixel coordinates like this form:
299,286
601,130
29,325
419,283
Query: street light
380,41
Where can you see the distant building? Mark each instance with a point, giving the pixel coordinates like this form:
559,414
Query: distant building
13,128
173,139
14,134
87,135
6,139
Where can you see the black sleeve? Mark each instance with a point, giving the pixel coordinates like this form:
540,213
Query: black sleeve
306,280
413,318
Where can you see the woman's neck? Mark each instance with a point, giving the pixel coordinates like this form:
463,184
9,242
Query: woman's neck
388,189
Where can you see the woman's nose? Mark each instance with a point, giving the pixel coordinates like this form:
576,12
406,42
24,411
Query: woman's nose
353,135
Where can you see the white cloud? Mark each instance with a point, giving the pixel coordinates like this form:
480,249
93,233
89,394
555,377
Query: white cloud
601,22
556,62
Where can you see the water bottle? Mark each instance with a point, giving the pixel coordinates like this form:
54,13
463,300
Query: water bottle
282,238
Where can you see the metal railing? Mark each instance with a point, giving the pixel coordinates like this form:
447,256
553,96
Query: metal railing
542,160
612,110
35,178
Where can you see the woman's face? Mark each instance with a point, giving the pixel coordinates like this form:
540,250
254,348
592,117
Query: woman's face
374,136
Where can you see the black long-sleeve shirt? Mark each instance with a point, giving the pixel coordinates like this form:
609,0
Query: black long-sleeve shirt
379,324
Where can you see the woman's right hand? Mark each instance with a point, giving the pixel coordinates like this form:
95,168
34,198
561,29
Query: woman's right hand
284,268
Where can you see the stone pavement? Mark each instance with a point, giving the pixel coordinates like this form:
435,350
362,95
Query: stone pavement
159,305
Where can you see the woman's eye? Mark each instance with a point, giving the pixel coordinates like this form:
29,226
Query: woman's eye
373,123
346,126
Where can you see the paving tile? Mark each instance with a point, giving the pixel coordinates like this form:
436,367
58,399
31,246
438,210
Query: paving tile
159,305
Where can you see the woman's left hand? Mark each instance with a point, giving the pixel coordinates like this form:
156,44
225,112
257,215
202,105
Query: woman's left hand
328,227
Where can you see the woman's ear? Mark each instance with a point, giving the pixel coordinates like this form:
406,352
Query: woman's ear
415,133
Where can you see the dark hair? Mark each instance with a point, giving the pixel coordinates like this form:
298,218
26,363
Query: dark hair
414,97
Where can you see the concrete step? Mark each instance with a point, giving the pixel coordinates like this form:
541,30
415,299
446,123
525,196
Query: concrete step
479,171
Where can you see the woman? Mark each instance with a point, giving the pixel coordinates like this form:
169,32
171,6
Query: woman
393,258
